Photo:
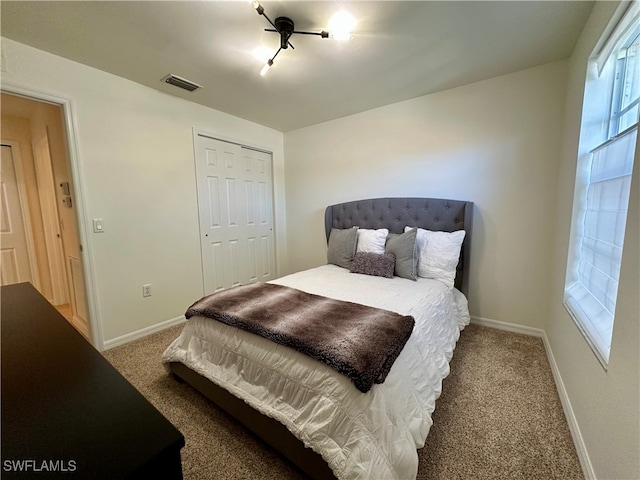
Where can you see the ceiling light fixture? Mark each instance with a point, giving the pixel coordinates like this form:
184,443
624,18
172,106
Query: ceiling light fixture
285,27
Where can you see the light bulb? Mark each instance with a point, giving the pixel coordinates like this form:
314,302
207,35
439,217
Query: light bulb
341,25
257,7
340,36
266,68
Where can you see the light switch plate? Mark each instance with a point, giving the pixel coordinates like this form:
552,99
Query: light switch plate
98,226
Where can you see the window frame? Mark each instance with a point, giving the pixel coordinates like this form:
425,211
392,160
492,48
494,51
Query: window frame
617,108
600,127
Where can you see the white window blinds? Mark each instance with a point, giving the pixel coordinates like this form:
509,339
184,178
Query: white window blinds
592,298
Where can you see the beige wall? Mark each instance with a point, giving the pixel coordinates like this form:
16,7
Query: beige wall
135,164
495,143
606,404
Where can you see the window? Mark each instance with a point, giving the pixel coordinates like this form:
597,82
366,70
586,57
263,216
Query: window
603,178
626,91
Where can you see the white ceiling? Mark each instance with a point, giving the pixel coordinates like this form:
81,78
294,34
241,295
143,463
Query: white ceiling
399,50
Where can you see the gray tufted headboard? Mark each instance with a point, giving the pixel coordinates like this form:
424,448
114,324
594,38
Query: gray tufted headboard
396,213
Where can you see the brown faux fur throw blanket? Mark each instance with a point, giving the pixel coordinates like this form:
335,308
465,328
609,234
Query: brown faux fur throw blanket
358,341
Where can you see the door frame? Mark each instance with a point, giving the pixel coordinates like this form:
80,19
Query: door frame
75,169
51,219
24,205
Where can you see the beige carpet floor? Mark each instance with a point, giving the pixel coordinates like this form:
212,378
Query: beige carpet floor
499,416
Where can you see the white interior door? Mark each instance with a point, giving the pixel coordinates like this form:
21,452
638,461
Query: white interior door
14,257
236,214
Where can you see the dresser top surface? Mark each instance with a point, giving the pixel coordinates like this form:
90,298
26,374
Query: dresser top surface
63,401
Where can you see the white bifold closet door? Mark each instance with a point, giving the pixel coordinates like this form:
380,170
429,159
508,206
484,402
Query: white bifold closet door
235,204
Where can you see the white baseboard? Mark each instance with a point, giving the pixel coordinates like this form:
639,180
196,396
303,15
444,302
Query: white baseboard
574,428
511,327
129,337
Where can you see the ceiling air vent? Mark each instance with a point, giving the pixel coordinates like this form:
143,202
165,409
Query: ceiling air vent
181,82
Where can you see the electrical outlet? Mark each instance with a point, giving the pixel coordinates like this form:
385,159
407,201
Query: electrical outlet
146,290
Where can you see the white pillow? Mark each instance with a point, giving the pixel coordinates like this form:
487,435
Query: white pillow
438,254
372,241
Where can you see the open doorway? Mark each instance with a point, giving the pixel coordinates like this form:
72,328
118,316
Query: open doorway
39,237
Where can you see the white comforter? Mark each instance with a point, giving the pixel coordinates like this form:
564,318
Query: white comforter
371,435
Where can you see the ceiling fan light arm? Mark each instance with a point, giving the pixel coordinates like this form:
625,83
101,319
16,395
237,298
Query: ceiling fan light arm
322,34
269,20
275,55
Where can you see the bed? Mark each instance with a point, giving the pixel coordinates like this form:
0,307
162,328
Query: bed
313,415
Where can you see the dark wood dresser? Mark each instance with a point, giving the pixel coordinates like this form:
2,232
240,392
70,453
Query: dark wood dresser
66,412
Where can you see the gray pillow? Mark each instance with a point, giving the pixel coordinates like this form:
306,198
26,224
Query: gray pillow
403,246
342,246
377,264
